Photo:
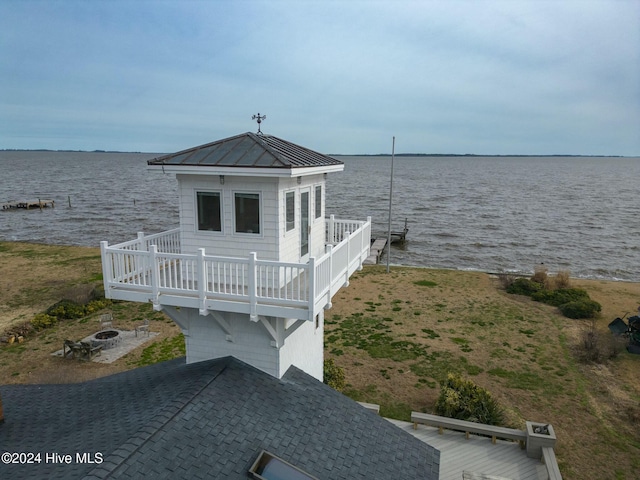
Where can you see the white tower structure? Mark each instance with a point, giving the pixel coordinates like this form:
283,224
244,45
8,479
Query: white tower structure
255,261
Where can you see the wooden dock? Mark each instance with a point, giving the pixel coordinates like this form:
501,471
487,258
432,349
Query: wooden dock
379,244
400,236
375,251
28,204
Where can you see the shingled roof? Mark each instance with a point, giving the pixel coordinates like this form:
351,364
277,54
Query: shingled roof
248,150
204,420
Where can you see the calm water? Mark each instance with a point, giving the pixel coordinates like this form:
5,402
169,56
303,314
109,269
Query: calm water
481,213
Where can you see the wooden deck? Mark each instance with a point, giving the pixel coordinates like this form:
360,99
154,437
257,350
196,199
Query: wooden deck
27,204
477,455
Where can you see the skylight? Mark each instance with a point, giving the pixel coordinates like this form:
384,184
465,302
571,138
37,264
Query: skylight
269,467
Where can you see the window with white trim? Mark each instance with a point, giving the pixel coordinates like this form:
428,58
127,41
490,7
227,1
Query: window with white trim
247,209
318,200
290,207
209,211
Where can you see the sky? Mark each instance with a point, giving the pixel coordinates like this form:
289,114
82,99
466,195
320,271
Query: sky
340,77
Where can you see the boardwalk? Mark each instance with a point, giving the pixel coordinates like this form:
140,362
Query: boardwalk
477,454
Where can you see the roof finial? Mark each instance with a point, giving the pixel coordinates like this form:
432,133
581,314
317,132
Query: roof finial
259,120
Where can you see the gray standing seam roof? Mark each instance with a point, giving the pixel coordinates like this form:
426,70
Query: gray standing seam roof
204,420
248,150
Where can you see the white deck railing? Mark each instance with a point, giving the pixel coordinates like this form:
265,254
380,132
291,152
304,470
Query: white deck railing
151,268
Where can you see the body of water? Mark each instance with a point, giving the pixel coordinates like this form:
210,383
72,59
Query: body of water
498,214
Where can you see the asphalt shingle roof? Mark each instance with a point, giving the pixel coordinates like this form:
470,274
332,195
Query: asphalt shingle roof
204,420
248,150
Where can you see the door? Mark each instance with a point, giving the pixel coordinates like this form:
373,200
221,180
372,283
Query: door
304,225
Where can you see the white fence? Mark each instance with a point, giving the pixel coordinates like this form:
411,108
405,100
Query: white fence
151,268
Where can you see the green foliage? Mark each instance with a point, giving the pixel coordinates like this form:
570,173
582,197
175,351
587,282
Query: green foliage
425,283
572,302
66,309
333,375
42,321
524,286
464,400
560,297
586,308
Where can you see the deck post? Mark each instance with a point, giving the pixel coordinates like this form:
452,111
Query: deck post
329,249
253,292
311,274
347,237
107,267
202,282
332,233
154,266
141,241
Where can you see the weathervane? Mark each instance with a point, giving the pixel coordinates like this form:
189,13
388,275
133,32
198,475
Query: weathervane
259,119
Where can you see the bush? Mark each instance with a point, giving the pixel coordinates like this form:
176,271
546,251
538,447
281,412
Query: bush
563,279
596,347
333,375
524,286
560,297
42,321
585,308
540,275
66,309
464,400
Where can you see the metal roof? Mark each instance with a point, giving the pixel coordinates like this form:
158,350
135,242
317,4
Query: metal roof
248,150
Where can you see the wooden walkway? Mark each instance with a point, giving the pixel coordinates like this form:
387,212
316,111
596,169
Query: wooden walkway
28,204
477,455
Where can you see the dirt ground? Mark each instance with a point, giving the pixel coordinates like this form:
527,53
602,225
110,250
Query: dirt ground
395,335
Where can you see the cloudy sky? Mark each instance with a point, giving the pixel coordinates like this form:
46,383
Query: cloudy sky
479,76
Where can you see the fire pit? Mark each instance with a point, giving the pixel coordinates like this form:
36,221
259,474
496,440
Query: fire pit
106,338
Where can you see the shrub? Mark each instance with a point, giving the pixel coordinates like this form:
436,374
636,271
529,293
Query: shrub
66,309
464,400
524,286
506,279
42,321
540,275
333,375
96,305
562,279
585,308
596,347
560,297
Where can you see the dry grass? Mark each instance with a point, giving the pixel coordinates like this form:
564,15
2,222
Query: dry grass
522,351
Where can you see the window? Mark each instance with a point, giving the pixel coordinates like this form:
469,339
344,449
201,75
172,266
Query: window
209,217
247,207
318,201
291,210
269,467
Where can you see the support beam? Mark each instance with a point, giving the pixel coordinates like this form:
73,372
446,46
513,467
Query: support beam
224,325
271,330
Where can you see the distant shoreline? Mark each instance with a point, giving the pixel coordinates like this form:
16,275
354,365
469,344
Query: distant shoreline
350,154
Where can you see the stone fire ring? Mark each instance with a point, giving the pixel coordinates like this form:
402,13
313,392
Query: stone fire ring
109,338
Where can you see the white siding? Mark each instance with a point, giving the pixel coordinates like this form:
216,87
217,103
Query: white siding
289,247
227,242
251,342
304,349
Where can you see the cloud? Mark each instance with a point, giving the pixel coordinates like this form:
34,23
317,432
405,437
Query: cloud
443,76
